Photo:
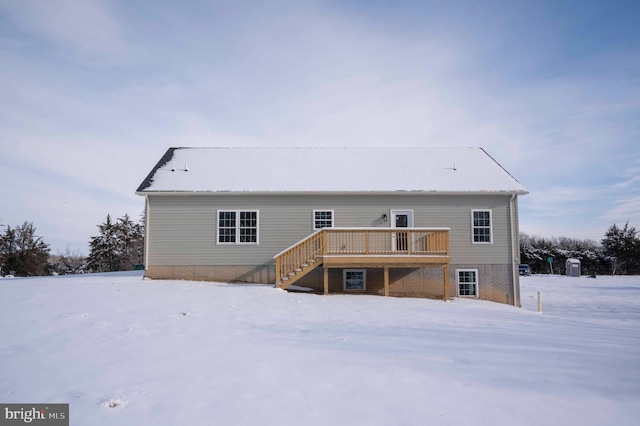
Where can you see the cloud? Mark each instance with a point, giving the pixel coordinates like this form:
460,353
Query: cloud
631,179
65,213
581,211
626,205
86,26
569,211
320,74
627,209
558,200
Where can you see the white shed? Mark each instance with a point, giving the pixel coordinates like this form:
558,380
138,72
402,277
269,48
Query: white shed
573,267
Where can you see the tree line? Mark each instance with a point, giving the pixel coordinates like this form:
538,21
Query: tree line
618,253
119,247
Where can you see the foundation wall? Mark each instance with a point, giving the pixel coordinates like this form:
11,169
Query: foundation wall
231,274
494,281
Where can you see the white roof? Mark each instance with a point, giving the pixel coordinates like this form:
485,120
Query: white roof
449,170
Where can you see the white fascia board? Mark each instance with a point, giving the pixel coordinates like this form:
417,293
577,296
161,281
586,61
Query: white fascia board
347,193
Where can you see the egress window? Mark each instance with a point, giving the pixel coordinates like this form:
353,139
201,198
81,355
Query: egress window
322,219
481,226
467,280
237,227
355,280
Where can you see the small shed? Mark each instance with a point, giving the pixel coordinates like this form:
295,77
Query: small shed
573,267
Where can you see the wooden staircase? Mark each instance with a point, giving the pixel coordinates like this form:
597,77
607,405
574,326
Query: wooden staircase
362,247
299,259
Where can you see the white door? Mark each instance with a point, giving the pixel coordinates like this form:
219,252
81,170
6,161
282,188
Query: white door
401,219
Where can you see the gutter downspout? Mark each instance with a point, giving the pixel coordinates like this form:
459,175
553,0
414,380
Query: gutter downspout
514,254
146,234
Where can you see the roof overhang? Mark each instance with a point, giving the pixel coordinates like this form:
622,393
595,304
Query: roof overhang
298,193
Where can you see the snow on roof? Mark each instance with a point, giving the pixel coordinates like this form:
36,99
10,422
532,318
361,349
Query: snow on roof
450,170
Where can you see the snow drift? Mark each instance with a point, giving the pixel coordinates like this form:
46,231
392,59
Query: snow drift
127,351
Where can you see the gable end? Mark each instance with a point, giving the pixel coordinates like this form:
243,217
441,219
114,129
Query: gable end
146,183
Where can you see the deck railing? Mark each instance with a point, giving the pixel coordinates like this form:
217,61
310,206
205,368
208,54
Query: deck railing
361,242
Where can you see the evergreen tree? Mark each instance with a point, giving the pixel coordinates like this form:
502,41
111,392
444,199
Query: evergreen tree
103,256
22,252
118,247
131,241
622,248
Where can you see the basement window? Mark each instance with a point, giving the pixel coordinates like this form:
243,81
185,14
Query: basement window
237,227
355,280
322,219
467,280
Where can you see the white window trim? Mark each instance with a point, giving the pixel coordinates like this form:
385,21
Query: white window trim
237,242
477,283
364,280
394,212
313,218
473,241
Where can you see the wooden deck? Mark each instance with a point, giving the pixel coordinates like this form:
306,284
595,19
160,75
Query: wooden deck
364,248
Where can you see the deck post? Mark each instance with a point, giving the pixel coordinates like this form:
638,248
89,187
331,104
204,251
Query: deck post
366,243
325,242
326,281
278,269
386,281
445,272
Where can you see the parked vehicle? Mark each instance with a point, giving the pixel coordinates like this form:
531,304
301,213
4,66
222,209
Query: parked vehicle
524,269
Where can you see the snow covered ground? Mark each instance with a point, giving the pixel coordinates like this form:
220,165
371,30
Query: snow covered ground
126,351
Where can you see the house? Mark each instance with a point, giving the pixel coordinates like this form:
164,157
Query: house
422,222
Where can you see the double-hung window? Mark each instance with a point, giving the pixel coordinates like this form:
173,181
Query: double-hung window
481,227
322,219
237,227
467,280
355,279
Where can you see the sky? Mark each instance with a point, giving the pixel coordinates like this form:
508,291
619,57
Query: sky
94,92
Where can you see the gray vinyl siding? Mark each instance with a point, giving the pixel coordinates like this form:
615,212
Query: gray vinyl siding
516,224
182,228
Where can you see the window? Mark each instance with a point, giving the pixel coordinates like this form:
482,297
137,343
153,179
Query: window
355,280
481,226
322,219
467,282
237,227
